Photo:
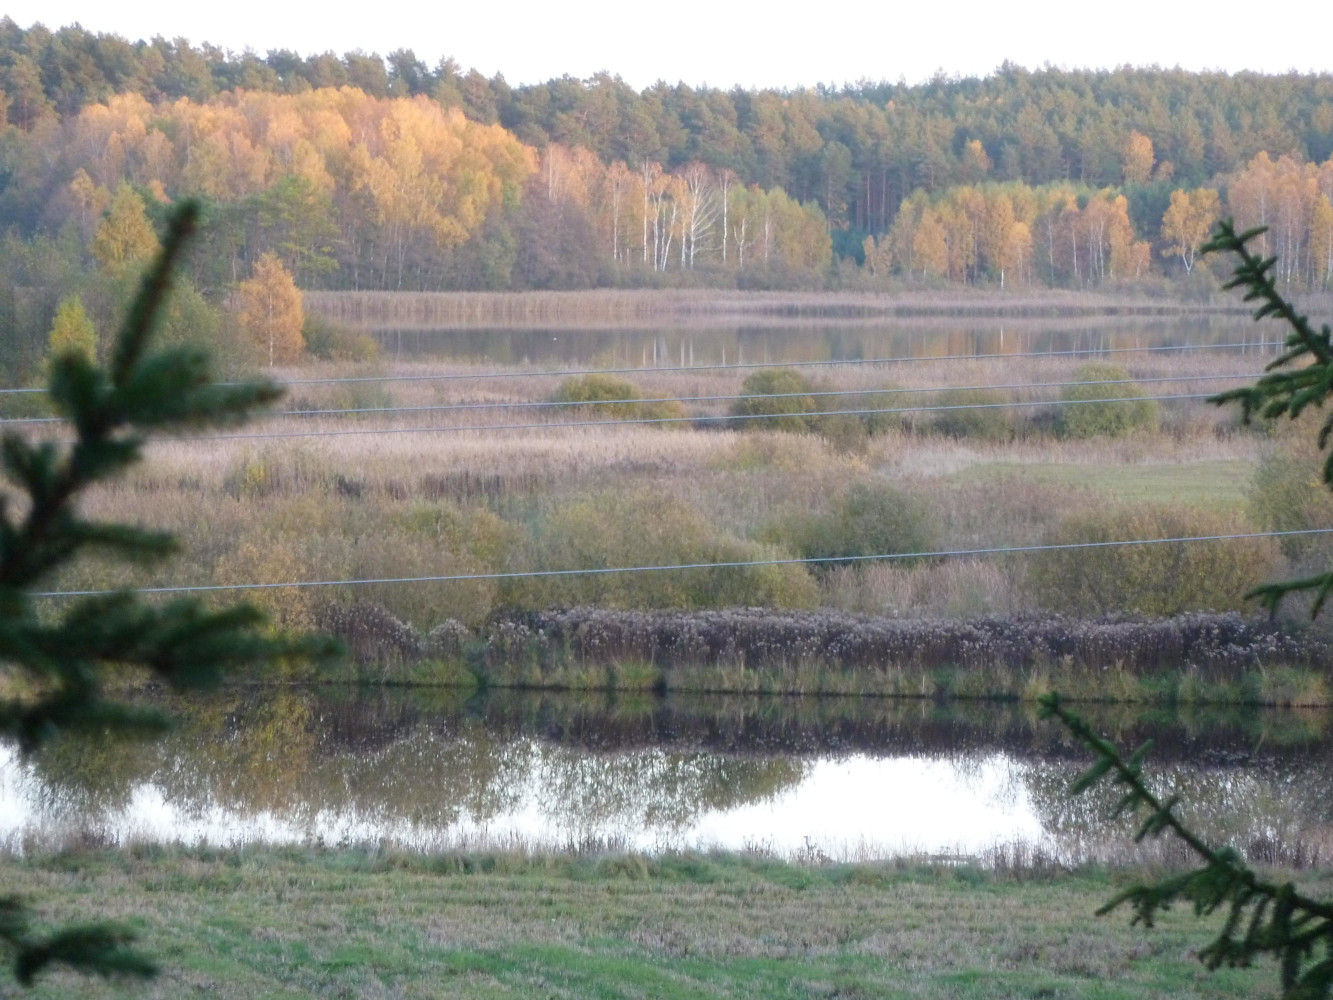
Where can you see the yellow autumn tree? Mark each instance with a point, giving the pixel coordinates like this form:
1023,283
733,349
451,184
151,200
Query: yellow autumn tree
1136,158
930,249
271,311
1187,221
1321,242
72,331
976,161
125,238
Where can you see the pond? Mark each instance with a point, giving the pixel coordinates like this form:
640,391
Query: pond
712,343
842,779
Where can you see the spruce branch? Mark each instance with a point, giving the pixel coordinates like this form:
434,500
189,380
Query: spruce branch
60,660
1301,377
1263,918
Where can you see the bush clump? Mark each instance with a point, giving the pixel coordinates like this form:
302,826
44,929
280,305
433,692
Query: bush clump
615,399
982,415
329,341
789,399
788,402
647,529
1121,412
868,519
1287,495
1157,580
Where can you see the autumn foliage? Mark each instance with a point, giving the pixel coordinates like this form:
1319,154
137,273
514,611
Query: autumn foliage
271,311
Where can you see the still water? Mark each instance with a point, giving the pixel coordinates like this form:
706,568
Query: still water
825,778
830,340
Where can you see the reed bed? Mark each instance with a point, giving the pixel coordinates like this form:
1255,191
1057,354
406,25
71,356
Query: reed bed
442,496
625,307
1195,658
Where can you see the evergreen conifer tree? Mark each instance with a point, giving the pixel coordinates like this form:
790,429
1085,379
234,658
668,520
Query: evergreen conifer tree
1263,917
56,658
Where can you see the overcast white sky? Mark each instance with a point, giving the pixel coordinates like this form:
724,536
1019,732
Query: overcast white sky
782,43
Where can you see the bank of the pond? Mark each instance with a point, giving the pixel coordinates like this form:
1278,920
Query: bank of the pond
298,923
1187,659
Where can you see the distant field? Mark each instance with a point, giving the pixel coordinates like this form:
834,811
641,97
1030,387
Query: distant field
307,924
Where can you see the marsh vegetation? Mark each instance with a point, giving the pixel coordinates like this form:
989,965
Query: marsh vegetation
495,472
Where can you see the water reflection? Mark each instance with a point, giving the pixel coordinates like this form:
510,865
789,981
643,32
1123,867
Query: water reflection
811,341
856,778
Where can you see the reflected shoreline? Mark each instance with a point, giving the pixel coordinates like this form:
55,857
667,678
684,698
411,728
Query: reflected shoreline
839,779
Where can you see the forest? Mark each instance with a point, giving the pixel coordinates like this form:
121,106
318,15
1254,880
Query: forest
362,172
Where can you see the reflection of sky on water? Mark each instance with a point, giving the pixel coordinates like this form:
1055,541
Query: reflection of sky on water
867,806
856,805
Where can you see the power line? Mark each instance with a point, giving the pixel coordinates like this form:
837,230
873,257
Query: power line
737,564
628,421
641,400
553,373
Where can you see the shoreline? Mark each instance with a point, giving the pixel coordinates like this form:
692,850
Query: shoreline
1195,658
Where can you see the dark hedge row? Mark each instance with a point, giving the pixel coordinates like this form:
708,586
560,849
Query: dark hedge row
1218,645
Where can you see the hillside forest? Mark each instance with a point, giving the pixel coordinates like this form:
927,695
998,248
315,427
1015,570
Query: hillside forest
357,172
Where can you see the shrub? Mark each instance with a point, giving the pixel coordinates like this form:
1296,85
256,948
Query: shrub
606,390
308,536
868,519
647,529
329,341
1287,495
1149,579
886,398
1121,414
849,431
989,421
787,405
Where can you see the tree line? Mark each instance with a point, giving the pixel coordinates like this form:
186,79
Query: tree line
858,150
355,191
359,172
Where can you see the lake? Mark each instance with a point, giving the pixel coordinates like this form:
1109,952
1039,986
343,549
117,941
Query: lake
711,343
813,778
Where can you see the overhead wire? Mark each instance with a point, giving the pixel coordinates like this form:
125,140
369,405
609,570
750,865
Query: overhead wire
743,366
747,365
734,397
705,420
669,567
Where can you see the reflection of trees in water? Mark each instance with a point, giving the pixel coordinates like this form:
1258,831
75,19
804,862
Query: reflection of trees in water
642,761
805,339
290,757
292,753
1254,803
656,788
90,775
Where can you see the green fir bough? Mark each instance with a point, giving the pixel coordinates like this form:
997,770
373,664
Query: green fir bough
1264,918
56,657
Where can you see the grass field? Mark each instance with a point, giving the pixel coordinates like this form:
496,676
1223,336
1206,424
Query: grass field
341,924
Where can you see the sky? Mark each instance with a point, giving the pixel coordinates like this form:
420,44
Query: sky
724,44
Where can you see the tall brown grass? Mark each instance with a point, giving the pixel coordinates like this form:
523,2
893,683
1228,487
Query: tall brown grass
446,501
519,310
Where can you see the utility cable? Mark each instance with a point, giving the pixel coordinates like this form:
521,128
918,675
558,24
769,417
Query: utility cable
736,564
554,373
736,397
630,421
